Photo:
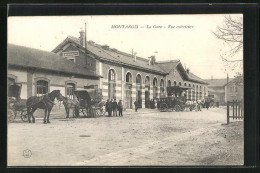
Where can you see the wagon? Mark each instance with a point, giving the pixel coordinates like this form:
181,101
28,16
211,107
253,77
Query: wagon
90,101
171,104
16,106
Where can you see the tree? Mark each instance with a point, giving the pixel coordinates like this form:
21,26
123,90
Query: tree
231,33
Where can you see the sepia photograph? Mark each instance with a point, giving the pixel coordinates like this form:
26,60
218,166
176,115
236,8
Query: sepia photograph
125,90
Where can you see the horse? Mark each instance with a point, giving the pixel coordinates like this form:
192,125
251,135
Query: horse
45,102
188,105
71,104
199,104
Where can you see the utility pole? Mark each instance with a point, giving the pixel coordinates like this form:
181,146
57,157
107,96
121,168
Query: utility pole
86,36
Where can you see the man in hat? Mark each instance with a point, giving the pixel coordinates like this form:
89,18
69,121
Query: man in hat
120,108
115,107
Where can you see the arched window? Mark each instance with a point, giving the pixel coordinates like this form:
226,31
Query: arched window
111,84
155,89
129,77
111,75
147,81
138,79
169,83
155,82
70,88
179,83
42,87
185,84
162,87
174,83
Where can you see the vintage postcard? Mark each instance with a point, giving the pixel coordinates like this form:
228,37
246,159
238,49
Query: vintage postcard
125,90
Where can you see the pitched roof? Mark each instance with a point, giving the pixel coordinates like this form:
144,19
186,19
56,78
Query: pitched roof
34,58
168,66
216,82
114,56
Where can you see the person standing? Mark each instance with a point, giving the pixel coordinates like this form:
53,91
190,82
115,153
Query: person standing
107,105
120,108
136,106
115,107
110,107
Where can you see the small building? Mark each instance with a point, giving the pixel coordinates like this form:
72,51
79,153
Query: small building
38,72
234,90
216,89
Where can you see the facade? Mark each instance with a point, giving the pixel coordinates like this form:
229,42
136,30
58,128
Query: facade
234,90
216,89
128,77
33,72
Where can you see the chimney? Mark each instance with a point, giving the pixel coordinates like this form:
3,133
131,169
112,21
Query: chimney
188,70
149,61
82,38
152,60
134,56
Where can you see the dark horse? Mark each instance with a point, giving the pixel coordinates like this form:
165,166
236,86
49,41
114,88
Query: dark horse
45,102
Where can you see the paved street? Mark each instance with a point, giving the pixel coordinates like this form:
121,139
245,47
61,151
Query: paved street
145,138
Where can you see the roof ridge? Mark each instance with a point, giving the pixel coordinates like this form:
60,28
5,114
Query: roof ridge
167,61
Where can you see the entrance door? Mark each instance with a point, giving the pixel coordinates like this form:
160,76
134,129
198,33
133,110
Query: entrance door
147,99
139,98
128,100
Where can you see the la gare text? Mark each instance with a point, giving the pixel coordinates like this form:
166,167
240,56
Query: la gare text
151,26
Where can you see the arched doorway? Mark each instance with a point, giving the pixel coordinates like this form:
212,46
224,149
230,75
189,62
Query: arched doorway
139,90
70,88
14,89
111,84
155,88
162,88
128,91
147,92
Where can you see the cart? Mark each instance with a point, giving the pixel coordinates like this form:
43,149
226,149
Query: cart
16,106
90,101
171,104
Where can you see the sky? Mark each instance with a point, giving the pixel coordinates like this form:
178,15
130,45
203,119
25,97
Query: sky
188,38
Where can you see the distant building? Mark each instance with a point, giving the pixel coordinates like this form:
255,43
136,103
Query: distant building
216,89
234,90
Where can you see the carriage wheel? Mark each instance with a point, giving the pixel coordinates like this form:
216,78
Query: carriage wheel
177,108
164,107
98,112
84,112
182,108
24,116
11,115
191,108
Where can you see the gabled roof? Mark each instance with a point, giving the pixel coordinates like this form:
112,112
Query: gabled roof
38,59
114,56
168,66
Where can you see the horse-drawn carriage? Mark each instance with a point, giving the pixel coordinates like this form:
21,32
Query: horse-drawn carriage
90,103
16,105
171,103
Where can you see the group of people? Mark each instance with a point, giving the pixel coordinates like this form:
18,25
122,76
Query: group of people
112,107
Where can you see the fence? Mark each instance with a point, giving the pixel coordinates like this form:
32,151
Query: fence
235,110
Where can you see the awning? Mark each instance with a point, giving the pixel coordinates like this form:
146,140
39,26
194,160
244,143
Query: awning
178,88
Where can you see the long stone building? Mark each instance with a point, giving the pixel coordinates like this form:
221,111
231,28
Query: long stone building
129,77
33,72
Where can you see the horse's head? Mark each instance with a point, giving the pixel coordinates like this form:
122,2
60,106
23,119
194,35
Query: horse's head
56,94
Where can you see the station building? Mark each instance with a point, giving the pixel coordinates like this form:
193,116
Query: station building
128,77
